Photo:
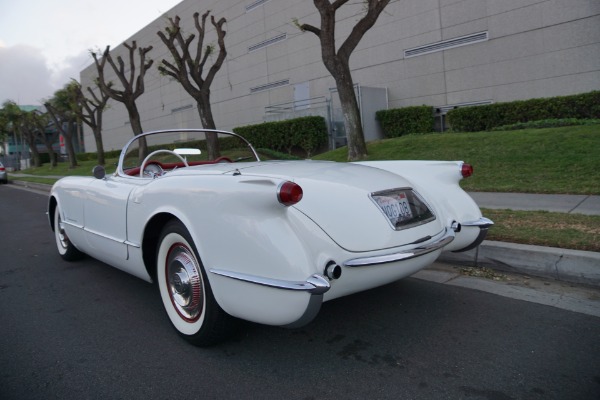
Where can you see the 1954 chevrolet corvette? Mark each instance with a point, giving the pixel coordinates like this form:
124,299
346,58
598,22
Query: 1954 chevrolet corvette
268,241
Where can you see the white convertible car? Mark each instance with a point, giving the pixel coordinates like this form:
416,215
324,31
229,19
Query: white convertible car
233,236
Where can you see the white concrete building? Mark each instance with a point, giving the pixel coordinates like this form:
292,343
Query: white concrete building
435,52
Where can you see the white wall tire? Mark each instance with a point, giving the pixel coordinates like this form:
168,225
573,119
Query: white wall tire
65,248
185,291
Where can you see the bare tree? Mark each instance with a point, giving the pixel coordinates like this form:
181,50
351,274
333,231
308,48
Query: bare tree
132,83
337,62
187,68
90,110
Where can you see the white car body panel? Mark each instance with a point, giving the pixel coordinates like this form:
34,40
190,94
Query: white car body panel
251,245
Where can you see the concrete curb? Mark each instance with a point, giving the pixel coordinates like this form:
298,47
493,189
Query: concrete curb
33,185
549,262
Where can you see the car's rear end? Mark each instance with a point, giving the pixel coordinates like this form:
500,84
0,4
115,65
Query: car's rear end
353,228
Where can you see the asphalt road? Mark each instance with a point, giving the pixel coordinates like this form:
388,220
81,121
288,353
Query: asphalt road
88,331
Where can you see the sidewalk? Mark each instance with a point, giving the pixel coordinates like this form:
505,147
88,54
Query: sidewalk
549,262
566,203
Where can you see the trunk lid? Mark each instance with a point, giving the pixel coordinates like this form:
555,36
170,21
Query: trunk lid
338,198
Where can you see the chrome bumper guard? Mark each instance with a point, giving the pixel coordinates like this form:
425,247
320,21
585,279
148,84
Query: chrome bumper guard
483,224
447,237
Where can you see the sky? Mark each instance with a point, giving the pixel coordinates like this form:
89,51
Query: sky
45,43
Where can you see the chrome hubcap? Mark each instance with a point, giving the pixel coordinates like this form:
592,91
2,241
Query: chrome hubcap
184,282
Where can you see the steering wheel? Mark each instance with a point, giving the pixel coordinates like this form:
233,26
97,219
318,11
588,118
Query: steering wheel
149,156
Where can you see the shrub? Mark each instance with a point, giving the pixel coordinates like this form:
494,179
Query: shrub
547,123
484,118
402,121
45,157
306,134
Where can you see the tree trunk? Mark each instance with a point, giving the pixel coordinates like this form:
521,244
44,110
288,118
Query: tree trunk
51,153
357,148
69,145
136,127
208,122
99,145
30,139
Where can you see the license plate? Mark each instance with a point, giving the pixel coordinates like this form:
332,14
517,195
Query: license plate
395,206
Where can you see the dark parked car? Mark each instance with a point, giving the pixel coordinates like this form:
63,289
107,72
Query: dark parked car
3,174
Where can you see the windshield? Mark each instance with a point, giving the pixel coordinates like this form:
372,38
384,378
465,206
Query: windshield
161,151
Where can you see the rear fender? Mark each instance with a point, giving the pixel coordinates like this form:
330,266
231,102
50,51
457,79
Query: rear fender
438,183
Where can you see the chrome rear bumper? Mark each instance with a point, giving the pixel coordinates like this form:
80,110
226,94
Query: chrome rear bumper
445,239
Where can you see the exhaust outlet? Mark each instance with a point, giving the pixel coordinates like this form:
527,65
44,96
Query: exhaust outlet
456,227
333,271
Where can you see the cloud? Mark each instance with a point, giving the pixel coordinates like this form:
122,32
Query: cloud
27,78
70,69
24,75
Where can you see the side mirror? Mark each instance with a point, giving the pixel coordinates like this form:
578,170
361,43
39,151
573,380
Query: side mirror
99,172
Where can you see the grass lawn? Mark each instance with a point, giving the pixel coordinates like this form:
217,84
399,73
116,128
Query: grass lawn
567,231
553,160
62,169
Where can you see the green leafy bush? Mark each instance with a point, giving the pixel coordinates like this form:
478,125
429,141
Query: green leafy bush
402,121
45,157
484,118
306,134
547,123
94,156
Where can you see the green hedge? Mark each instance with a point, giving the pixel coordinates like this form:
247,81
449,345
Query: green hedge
484,118
547,123
306,134
94,156
45,157
402,121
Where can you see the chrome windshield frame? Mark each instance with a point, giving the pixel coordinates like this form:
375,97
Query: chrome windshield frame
120,171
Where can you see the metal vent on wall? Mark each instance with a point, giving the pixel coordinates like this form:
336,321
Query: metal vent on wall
268,42
446,44
182,108
256,4
269,86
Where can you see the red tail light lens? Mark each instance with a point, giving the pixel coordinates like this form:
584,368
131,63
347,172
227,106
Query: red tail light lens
466,170
1,168
289,193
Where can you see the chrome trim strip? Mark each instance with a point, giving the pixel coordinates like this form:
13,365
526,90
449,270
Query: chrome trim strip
121,241
111,238
315,284
65,222
447,237
481,222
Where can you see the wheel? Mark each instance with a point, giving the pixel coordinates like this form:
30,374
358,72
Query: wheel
66,249
185,290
